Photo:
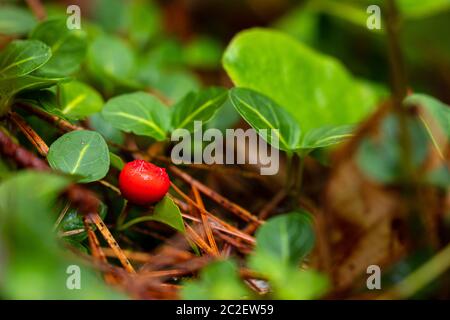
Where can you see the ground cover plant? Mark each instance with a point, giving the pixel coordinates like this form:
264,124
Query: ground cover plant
117,179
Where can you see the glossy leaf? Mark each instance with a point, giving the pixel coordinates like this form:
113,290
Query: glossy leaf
262,113
287,238
10,87
116,161
440,112
325,136
15,20
81,153
165,211
73,221
79,100
21,57
140,113
68,46
315,89
197,106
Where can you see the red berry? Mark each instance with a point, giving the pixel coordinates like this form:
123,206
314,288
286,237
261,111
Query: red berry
142,182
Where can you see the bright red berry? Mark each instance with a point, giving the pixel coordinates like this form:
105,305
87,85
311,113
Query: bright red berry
142,182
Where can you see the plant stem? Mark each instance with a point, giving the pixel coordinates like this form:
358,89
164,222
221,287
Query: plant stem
299,176
421,277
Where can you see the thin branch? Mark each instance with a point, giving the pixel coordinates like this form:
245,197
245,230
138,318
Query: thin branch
37,8
95,218
205,222
224,202
31,135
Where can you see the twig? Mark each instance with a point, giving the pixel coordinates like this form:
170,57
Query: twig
418,279
195,237
267,210
59,123
211,216
205,222
224,202
37,8
31,135
95,218
61,215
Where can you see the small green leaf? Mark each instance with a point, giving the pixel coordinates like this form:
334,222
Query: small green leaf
166,211
9,88
111,134
116,161
218,281
438,110
83,153
262,113
325,136
140,113
110,61
288,282
68,46
287,238
73,221
21,57
79,100
197,106
15,20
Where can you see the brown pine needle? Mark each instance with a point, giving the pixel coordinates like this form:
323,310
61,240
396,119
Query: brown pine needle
61,215
95,218
205,222
31,135
195,237
224,202
227,226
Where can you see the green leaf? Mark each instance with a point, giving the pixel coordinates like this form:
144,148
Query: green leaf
166,211
140,113
421,9
68,46
288,282
116,161
203,52
83,153
142,21
74,221
380,157
9,88
315,89
262,113
110,61
15,20
287,238
34,265
440,112
325,136
218,281
197,106
21,57
173,84
79,100
99,124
